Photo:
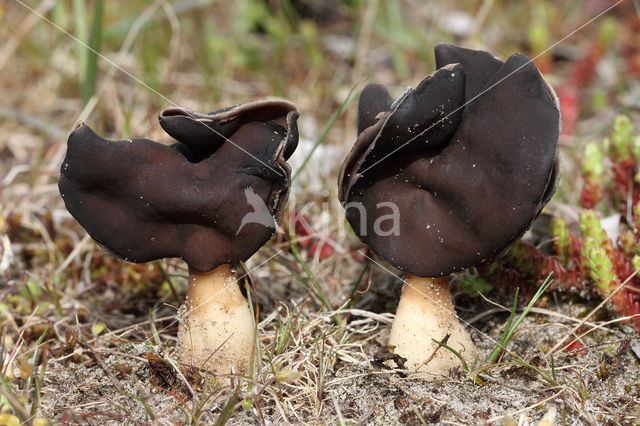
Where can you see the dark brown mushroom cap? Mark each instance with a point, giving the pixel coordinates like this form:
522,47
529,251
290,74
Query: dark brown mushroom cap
198,141
471,181
142,200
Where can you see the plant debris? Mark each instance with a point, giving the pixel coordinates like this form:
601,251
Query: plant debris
75,321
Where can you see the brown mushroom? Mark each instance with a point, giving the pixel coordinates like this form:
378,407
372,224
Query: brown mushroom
212,199
468,159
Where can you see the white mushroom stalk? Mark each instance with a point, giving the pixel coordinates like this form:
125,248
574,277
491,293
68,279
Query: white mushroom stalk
217,331
426,313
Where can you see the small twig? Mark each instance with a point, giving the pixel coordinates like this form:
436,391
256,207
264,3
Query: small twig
19,342
486,313
597,327
100,362
383,318
114,333
584,320
364,418
74,253
486,299
550,313
525,409
184,379
443,342
33,122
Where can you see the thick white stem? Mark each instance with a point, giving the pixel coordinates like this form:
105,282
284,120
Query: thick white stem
217,330
425,312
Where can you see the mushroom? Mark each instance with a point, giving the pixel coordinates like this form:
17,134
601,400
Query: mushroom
212,199
464,162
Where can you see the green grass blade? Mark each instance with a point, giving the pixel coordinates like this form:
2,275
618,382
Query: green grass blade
325,131
228,409
60,15
288,264
82,34
418,415
545,285
312,279
33,378
512,328
255,357
95,42
356,287
154,330
503,340
456,353
537,370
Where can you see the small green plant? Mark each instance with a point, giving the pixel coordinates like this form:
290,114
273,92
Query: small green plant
590,263
511,328
472,285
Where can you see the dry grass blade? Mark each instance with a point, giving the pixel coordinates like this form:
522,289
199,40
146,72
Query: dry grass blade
600,306
81,328
98,358
228,409
9,48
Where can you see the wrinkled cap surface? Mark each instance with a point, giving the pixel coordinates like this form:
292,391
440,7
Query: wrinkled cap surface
214,197
455,170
